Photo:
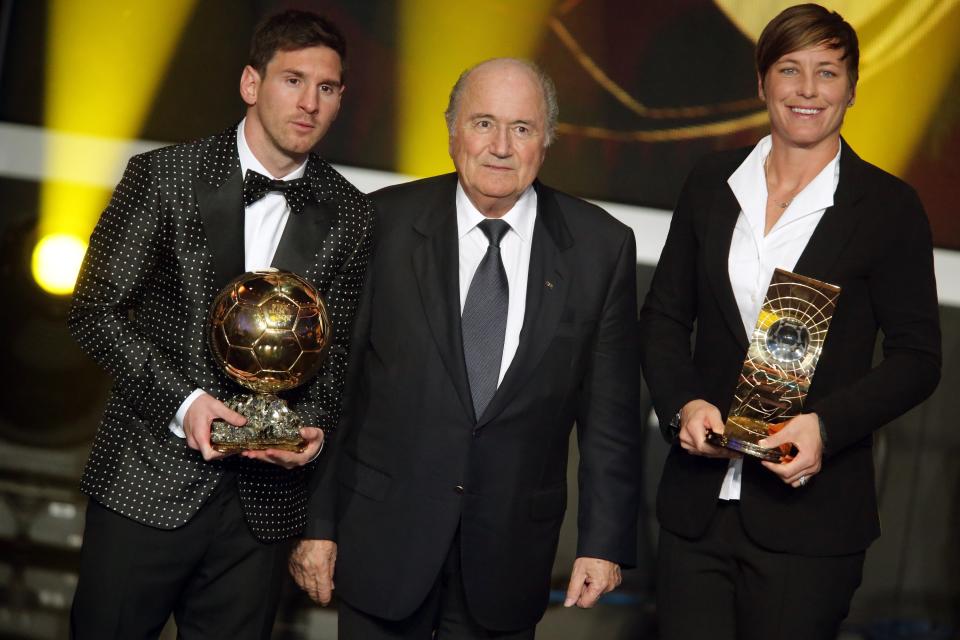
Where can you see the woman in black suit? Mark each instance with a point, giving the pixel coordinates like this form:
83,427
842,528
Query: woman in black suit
752,549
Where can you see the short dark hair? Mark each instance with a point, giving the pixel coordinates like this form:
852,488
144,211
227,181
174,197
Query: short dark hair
292,30
803,26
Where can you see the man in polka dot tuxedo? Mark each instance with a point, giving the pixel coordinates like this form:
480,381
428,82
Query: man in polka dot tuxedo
172,525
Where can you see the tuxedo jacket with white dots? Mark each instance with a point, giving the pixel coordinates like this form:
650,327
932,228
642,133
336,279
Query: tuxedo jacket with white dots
169,240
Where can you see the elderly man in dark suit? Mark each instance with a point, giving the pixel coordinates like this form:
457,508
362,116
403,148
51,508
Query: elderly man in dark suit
172,525
497,313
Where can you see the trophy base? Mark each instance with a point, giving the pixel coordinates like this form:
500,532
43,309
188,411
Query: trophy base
747,448
258,445
742,433
270,425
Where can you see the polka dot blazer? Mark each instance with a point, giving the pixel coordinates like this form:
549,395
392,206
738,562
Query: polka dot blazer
170,238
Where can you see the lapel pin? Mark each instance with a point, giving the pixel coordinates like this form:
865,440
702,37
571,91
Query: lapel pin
548,284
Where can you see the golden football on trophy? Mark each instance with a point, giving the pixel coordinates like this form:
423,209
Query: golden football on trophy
269,331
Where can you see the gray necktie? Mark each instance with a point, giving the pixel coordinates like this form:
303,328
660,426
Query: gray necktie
484,319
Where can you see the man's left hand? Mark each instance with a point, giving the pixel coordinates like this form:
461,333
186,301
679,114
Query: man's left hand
590,579
803,432
312,564
292,459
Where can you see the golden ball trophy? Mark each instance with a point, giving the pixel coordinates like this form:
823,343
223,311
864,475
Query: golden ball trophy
270,332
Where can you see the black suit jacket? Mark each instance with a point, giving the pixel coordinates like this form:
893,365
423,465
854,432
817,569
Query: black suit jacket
875,243
170,239
413,463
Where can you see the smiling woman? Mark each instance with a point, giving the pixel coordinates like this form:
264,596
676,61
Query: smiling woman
807,92
807,76
801,200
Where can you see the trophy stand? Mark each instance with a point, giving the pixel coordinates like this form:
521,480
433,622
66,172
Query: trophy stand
270,425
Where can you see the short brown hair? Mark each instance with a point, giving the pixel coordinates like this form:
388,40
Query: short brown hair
292,30
803,26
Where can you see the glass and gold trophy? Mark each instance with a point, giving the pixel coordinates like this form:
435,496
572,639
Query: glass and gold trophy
270,332
783,354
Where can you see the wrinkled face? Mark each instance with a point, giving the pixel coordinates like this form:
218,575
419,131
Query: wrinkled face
291,106
807,94
498,138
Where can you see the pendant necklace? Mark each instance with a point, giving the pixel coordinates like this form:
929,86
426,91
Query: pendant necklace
783,204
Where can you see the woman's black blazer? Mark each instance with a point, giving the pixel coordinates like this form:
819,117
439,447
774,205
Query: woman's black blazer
875,243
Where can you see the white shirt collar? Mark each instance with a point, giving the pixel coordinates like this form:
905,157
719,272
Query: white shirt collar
749,185
249,161
521,217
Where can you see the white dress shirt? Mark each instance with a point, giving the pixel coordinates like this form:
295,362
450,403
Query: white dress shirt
754,256
263,220
514,251
263,224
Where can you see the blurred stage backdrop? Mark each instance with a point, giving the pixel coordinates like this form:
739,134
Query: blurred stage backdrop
645,88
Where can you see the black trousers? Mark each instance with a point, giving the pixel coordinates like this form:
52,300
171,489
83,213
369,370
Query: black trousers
723,586
212,574
445,613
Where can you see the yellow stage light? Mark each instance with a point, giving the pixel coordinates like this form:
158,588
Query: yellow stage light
56,262
105,61
437,40
908,63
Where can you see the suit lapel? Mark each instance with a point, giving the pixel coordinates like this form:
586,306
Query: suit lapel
721,220
838,223
547,287
219,192
304,233
824,247
436,267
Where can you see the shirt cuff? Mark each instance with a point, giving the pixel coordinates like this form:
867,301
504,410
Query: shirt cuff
176,425
319,451
823,433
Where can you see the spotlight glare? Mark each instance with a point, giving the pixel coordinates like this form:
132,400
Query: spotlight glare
56,262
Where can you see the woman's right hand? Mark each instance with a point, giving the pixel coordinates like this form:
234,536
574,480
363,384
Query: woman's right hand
697,418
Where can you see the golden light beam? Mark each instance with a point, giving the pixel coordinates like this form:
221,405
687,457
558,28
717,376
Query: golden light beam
465,33
911,64
751,16
105,61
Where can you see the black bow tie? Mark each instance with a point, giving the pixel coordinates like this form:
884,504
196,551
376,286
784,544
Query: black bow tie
256,185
